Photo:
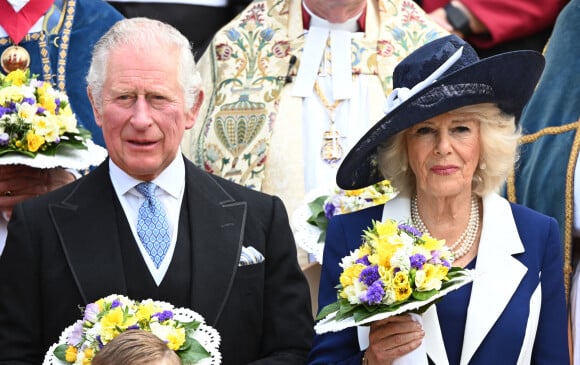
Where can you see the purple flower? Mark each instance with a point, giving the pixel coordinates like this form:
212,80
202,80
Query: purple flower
30,101
329,210
115,303
410,229
76,333
374,294
369,275
40,110
91,312
364,260
163,316
417,261
435,257
4,110
4,138
446,263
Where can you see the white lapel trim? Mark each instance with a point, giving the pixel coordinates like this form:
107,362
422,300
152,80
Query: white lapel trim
498,274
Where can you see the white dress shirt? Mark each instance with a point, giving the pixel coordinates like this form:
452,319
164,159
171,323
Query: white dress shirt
171,184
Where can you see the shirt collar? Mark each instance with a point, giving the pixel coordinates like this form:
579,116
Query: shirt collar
171,180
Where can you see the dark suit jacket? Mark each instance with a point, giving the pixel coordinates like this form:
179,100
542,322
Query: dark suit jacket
63,251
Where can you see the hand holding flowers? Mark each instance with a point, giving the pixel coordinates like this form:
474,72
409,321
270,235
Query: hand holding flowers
397,269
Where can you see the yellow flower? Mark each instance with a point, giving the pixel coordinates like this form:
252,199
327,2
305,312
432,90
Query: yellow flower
45,99
11,93
34,141
113,321
350,274
364,251
432,243
146,310
17,77
89,354
176,338
431,277
71,354
356,192
401,286
386,229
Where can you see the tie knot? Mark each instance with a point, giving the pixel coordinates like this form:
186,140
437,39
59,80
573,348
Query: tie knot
147,189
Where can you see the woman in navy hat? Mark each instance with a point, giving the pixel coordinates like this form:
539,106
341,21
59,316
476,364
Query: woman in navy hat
447,142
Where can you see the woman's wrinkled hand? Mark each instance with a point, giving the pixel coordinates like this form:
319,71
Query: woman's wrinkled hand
392,338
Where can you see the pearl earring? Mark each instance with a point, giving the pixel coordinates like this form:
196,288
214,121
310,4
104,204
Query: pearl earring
482,165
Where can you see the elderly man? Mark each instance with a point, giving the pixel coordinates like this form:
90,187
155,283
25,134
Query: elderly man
147,223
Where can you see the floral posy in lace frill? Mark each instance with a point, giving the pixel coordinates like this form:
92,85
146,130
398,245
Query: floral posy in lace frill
35,118
184,331
396,270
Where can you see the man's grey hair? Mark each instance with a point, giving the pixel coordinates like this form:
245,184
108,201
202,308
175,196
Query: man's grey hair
147,34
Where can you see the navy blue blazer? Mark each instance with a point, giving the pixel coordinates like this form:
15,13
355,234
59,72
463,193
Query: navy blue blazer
517,309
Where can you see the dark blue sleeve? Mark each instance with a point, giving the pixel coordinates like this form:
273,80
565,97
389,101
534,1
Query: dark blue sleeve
343,236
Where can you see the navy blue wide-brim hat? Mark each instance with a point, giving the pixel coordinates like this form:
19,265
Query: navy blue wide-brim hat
507,80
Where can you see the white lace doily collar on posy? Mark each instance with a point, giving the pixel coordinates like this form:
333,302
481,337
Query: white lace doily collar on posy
71,158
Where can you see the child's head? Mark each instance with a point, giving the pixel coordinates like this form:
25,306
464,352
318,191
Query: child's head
136,347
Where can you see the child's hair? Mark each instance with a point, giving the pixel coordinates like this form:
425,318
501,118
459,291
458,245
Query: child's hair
136,347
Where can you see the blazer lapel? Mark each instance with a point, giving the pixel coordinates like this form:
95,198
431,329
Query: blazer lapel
217,222
498,273
86,224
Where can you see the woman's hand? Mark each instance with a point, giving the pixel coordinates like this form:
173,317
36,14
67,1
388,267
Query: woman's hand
20,182
392,338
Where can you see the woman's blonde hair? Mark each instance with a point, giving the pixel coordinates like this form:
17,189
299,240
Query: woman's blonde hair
499,141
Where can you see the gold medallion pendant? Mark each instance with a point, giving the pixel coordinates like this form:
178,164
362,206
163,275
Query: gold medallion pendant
14,58
331,151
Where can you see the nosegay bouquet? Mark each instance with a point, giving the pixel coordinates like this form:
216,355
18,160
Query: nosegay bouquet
325,207
397,269
35,118
38,127
183,330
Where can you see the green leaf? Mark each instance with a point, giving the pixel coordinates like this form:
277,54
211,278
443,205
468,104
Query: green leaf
333,307
192,352
424,295
60,352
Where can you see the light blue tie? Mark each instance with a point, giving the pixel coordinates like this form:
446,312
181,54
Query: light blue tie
152,226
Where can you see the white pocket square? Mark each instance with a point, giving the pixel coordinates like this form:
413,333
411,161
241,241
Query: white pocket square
250,256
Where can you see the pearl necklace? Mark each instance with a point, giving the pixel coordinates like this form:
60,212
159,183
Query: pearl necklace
465,242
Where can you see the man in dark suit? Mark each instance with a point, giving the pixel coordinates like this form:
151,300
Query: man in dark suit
226,252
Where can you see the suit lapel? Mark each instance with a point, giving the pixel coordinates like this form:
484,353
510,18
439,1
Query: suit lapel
498,273
86,224
217,222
